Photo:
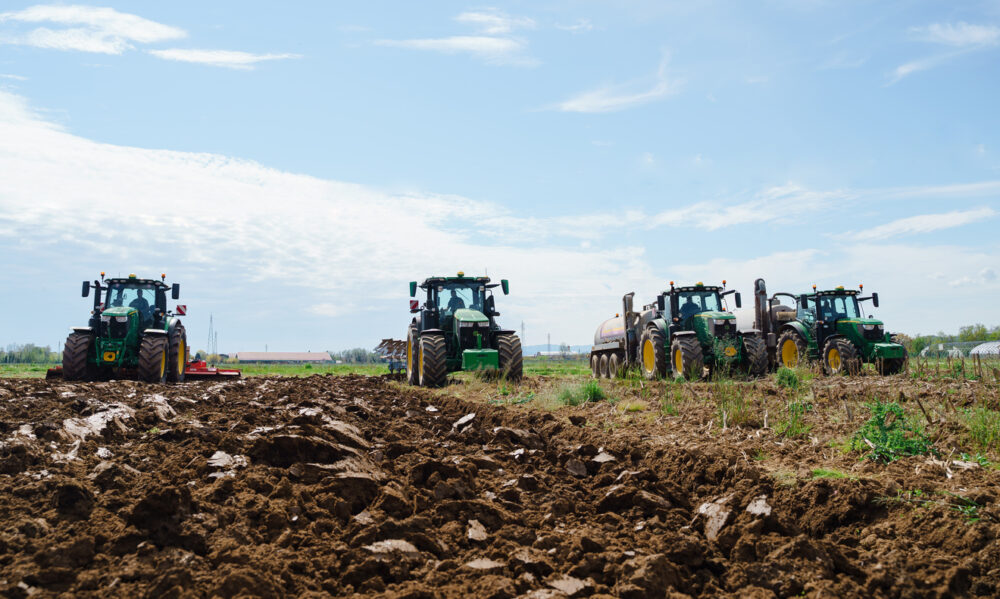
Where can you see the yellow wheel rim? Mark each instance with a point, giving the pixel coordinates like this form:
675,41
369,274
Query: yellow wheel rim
409,355
834,358
648,356
678,362
789,354
181,357
421,365
163,363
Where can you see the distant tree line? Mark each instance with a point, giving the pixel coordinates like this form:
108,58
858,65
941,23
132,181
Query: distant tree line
29,354
974,332
358,355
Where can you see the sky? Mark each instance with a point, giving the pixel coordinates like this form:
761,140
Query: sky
294,165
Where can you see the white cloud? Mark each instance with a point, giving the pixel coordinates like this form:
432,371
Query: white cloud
959,34
93,29
219,58
611,98
494,22
581,26
13,77
922,223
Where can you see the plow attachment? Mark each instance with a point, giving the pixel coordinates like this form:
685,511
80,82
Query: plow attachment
393,352
193,371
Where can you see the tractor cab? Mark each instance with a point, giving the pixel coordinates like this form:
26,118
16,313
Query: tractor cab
699,304
838,312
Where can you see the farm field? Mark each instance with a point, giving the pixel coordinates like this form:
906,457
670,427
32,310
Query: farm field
559,486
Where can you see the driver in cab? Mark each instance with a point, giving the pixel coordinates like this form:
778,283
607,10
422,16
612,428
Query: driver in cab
690,308
142,306
455,303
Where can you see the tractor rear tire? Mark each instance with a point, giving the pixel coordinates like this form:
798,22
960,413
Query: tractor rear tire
653,354
177,358
603,366
755,356
412,355
511,357
595,365
433,370
891,366
792,350
75,354
839,357
614,366
686,358
153,353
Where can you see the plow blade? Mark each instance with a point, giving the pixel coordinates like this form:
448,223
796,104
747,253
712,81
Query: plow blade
200,369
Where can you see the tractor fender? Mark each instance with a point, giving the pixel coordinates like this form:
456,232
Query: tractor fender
685,334
505,332
83,329
172,324
799,328
660,324
432,332
749,333
154,332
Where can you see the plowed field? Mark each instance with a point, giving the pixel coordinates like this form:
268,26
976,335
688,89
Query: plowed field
341,486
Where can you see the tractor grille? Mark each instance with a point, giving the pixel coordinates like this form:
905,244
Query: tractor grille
725,330
876,334
117,330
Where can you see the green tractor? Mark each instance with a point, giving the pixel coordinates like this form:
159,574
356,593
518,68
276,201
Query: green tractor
456,329
686,330
826,326
130,333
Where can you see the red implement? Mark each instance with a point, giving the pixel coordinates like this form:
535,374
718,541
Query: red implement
201,369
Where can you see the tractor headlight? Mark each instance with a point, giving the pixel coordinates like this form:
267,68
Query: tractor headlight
870,327
466,325
105,319
719,321
121,318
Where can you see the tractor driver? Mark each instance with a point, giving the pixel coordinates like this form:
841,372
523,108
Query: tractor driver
455,303
689,308
142,306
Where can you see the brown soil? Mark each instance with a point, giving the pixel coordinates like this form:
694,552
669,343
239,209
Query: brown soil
334,486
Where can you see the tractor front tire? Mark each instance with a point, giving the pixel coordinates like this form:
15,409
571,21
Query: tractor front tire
839,357
177,358
614,366
755,356
431,365
412,355
153,352
686,358
792,350
75,355
510,357
891,366
653,354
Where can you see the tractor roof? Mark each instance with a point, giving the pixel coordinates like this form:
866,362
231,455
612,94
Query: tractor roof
133,280
696,287
460,278
838,291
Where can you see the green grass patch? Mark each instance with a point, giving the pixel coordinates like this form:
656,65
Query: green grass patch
24,370
557,367
887,436
634,406
830,473
984,427
787,378
732,407
794,423
580,394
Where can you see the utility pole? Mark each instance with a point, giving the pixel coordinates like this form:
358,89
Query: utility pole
211,333
548,343
522,334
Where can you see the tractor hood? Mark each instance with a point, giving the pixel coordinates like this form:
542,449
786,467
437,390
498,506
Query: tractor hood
470,315
713,314
118,311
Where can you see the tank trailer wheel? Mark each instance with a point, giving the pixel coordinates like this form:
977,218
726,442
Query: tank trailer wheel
614,366
603,366
510,356
755,356
890,366
153,359
177,358
653,354
792,350
840,356
412,355
595,365
431,364
74,361
686,358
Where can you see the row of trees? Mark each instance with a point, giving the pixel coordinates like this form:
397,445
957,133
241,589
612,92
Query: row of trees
29,354
358,355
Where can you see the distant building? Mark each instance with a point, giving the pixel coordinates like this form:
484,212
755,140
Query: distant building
990,348
283,357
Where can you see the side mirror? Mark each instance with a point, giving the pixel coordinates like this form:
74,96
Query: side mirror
413,289
661,303
490,306
505,286
86,289
804,302
739,300
175,291
875,300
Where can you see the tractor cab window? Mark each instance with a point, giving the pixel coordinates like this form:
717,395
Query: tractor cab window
455,296
140,297
835,307
695,302
808,314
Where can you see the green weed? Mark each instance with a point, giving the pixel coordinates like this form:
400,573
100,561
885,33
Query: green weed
828,473
587,392
732,408
984,427
787,378
794,425
887,436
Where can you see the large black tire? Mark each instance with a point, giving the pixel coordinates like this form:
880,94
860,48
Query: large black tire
153,352
177,358
653,354
510,357
840,357
686,358
754,356
890,366
614,366
792,350
412,355
595,365
74,358
432,369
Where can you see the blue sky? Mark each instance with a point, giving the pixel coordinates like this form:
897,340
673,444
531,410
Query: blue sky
294,166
